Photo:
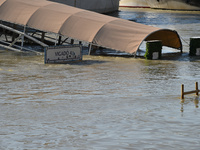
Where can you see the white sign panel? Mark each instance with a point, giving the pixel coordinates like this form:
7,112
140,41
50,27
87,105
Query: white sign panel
63,54
155,55
198,51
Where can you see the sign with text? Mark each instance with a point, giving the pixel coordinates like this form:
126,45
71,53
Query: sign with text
63,54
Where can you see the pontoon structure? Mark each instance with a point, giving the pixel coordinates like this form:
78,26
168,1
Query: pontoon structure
86,26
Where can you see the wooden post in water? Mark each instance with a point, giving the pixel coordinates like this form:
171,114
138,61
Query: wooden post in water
197,89
182,91
189,92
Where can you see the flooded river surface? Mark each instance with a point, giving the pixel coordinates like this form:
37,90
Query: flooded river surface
103,102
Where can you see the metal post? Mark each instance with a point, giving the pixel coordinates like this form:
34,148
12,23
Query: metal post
90,47
74,3
57,36
59,39
22,39
14,35
42,36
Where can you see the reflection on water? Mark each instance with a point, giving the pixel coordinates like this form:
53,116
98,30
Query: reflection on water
102,102
194,100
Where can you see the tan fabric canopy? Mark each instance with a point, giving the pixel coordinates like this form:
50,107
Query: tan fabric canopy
2,1
98,29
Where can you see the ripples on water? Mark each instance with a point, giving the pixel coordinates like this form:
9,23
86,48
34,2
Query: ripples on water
102,102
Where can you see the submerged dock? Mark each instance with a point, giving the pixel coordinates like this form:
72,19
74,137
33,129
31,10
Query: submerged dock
30,21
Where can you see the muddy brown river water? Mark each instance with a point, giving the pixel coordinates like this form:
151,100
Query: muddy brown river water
103,102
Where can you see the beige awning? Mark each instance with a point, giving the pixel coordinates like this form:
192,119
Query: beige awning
95,28
2,1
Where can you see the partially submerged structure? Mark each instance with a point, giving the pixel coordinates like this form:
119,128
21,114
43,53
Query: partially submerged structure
86,26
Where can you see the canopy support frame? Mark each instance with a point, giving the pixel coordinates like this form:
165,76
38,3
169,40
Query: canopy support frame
21,36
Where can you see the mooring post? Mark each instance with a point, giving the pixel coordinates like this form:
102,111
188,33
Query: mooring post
197,89
153,49
182,91
194,46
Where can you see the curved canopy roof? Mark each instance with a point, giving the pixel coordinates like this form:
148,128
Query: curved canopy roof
102,30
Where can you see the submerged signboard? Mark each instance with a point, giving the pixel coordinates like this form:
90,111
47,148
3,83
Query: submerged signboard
63,54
